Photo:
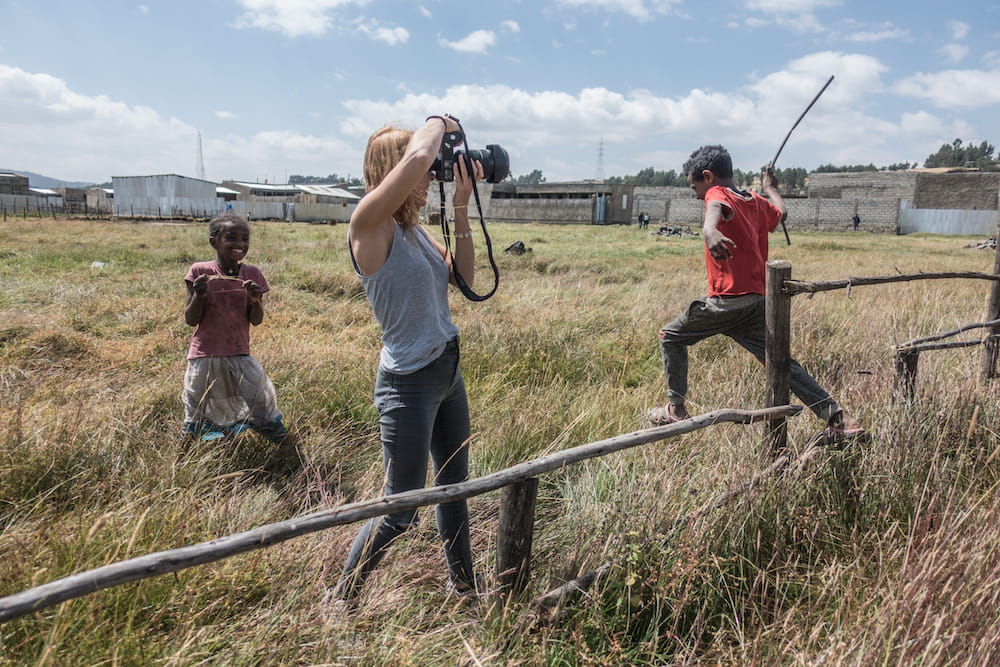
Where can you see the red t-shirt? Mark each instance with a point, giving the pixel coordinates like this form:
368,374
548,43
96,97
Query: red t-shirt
750,218
224,329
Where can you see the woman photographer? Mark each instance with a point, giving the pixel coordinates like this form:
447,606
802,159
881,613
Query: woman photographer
419,391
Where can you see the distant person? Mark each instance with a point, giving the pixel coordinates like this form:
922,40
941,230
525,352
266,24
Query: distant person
226,390
419,390
735,229
857,221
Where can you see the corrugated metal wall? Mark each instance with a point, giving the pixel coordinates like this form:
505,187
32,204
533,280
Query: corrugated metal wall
942,221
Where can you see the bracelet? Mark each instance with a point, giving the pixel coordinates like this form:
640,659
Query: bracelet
467,234
460,206
440,118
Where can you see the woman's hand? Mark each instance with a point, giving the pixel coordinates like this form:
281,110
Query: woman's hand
463,184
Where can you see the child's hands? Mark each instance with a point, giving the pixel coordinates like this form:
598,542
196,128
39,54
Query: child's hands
253,290
768,179
719,245
200,284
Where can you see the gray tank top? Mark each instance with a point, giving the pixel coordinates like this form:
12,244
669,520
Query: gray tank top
409,298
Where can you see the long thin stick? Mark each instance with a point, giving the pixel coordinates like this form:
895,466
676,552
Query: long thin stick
782,146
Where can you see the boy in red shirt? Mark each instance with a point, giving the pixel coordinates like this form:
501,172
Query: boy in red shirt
735,230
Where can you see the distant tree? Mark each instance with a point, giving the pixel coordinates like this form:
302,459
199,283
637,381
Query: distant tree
957,155
650,177
832,169
533,178
901,166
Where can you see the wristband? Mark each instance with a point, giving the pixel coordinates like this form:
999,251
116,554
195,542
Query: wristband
467,234
440,118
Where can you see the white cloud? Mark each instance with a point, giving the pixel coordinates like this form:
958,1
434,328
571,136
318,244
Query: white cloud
293,18
992,59
144,10
958,29
63,134
796,15
877,35
426,13
391,36
511,26
784,94
954,53
47,113
751,121
954,89
478,41
644,10
225,115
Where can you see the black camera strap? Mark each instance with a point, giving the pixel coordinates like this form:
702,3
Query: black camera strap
446,232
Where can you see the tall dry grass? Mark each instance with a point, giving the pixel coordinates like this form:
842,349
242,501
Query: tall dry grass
884,553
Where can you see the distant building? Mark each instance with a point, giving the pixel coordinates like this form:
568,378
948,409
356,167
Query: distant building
46,198
74,200
263,191
586,202
100,200
13,184
164,195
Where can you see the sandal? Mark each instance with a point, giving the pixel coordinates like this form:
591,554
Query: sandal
660,416
841,432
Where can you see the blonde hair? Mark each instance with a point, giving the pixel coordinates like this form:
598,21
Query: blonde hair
385,149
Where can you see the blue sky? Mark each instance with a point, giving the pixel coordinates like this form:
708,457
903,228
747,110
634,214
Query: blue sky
91,90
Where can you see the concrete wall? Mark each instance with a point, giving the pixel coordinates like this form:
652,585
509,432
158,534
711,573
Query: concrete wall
656,202
864,185
565,211
970,191
878,215
319,212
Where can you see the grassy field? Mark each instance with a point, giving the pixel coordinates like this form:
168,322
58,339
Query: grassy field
887,553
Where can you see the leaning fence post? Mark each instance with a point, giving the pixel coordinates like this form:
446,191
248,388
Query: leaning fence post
514,535
777,344
990,348
906,374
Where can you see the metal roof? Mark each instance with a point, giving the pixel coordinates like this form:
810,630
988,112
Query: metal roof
266,186
327,190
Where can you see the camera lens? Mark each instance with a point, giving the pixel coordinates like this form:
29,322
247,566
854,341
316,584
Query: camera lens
495,161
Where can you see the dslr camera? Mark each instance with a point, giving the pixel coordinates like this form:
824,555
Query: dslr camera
496,163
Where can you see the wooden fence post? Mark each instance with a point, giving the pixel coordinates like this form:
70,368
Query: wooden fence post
514,535
777,344
990,346
906,374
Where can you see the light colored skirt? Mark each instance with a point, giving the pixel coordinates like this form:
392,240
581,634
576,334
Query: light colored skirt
224,391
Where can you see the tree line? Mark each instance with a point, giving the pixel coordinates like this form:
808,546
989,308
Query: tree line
955,154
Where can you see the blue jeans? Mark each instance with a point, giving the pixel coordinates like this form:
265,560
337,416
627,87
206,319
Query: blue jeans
742,319
422,415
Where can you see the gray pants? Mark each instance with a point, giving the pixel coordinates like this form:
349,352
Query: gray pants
422,415
742,319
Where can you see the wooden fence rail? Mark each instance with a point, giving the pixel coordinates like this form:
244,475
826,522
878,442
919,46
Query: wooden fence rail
781,288
142,567
794,287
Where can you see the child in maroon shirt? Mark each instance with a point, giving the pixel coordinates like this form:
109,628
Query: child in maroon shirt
225,389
